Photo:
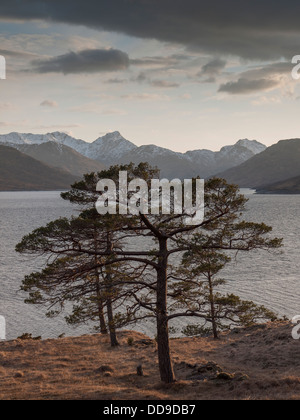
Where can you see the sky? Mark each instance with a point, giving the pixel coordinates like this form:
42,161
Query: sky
181,74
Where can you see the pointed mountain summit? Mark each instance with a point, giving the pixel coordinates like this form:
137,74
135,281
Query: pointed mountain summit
110,148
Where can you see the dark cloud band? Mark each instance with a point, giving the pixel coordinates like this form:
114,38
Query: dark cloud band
245,86
212,69
87,61
253,29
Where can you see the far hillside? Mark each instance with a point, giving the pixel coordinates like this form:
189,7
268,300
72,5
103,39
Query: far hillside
19,172
289,186
61,156
277,163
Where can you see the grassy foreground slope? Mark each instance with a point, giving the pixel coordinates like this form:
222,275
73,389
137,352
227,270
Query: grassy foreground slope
262,362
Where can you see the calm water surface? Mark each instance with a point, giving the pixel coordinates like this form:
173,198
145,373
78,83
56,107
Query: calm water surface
262,277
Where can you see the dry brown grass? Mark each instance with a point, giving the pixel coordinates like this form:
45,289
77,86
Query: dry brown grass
87,368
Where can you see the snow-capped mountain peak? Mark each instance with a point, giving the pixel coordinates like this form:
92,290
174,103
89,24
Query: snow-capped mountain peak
109,148
113,137
252,145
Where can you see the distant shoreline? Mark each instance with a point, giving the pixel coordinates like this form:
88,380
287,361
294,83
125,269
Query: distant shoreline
253,191
277,192
32,191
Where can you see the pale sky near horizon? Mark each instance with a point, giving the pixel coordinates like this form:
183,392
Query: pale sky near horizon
183,75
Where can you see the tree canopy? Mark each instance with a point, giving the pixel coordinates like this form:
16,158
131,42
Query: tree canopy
153,262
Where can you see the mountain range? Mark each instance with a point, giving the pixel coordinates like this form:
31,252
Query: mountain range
57,160
204,163
54,148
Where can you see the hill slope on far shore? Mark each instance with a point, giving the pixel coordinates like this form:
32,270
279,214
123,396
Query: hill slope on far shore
19,172
60,156
288,186
277,163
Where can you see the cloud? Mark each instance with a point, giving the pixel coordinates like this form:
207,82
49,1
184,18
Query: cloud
186,96
253,29
56,127
94,108
245,86
140,78
49,104
161,61
112,112
164,84
264,100
212,69
17,54
259,79
86,61
145,97
269,70
116,81
157,83
7,106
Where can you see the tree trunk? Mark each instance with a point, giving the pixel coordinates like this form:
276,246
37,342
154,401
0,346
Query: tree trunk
163,341
109,293
111,324
103,327
102,322
212,308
